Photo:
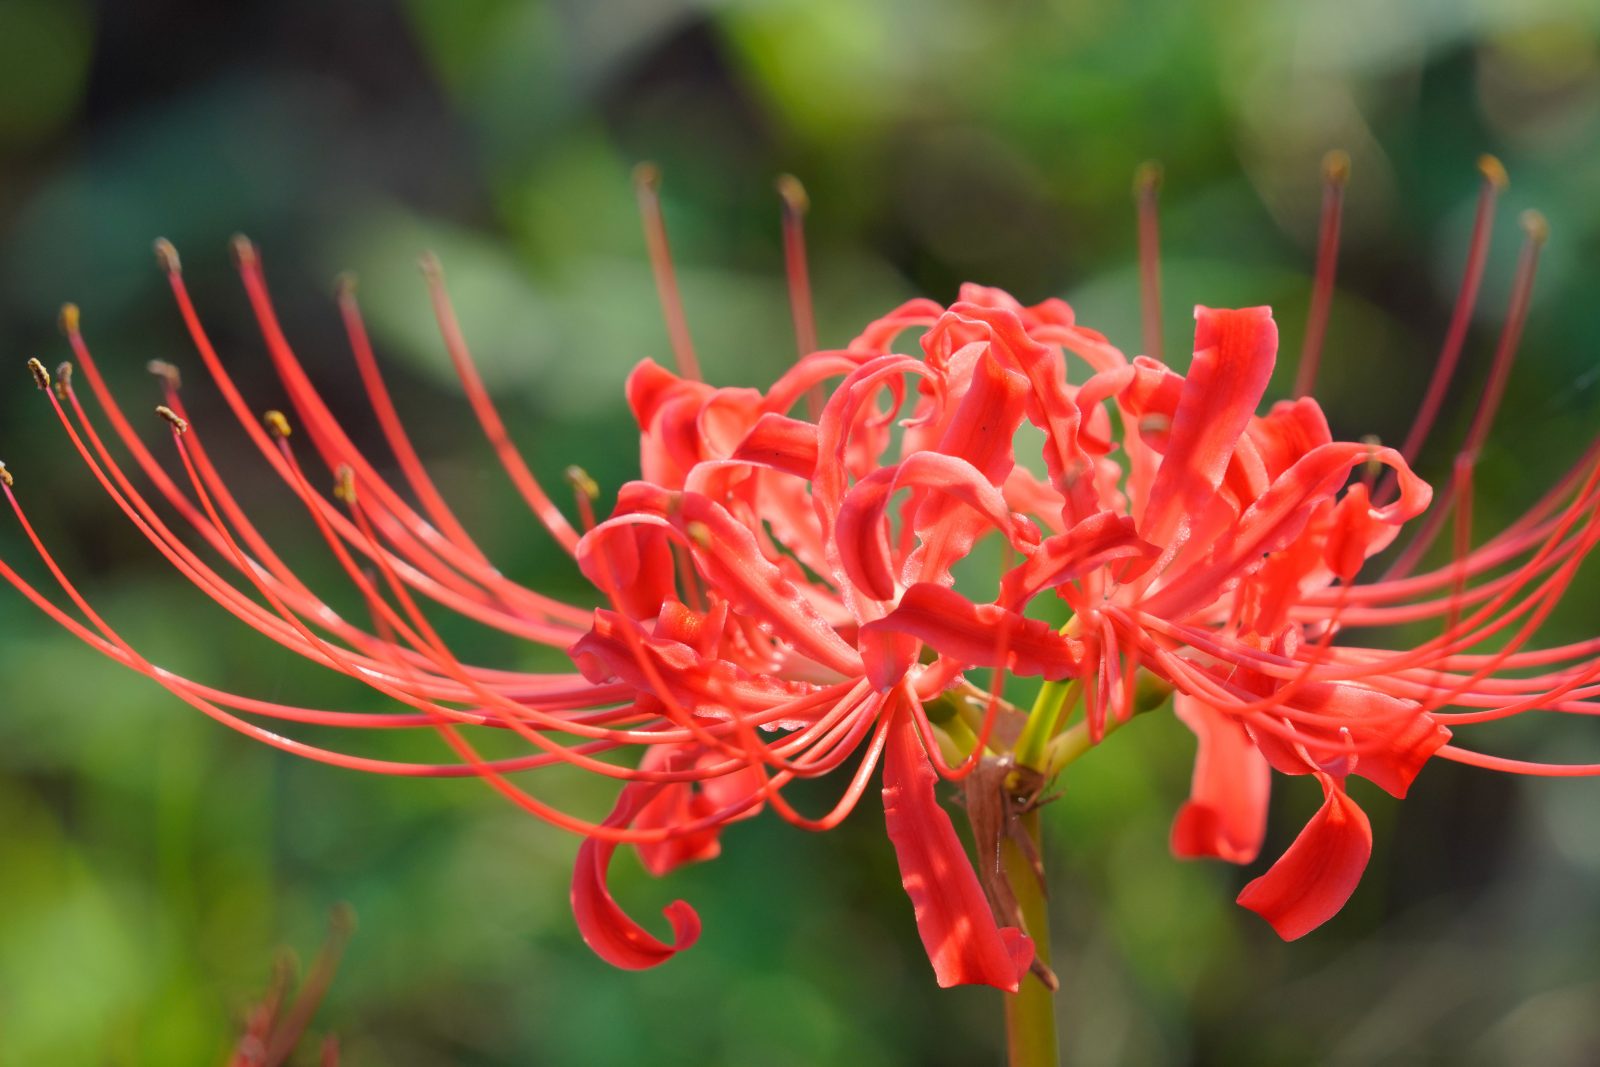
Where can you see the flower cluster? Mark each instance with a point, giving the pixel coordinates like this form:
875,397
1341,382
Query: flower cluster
777,595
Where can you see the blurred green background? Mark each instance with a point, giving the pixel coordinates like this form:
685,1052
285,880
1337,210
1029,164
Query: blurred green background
151,862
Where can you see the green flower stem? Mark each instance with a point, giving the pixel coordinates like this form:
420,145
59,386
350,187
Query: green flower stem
1050,709
1069,744
1030,1011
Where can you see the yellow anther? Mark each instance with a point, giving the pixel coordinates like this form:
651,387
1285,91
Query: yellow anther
5,476
179,423
63,378
345,487
344,285
167,256
795,200
1494,172
699,533
244,250
647,176
69,319
166,371
1336,166
580,481
1535,226
1146,178
277,424
41,377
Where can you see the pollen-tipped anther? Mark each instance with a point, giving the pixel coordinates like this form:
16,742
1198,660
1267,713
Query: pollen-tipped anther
344,285
244,250
1146,193
344,486
581,482
646,177
179,423
1336,166
1146,178
167,256
428,263
699,533
41,377
1535,226
68,319
795,200
277,424
5,477
63,378
167,372
1494,172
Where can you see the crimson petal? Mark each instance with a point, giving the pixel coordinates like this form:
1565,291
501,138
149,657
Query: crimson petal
974,634
604,926
965,944
1313,879
1226,813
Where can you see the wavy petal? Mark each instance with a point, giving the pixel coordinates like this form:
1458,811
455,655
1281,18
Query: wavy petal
965,944
604,926
1226,813
973,634
1313,879
1234,352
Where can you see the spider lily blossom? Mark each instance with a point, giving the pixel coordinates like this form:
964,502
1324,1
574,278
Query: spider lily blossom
775,597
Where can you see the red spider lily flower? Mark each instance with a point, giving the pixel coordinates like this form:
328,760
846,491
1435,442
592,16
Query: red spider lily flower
276,1025
777,595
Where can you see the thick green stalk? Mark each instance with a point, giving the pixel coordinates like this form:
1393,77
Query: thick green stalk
1030,1012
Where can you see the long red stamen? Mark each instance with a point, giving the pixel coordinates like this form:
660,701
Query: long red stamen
647,186
1536,232
394,432
1146,193
795,206
1494,183
1335,176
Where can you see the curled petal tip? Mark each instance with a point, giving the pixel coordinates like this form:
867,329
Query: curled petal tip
41,377
1494,172
167,256
178,422
795,200
1336,166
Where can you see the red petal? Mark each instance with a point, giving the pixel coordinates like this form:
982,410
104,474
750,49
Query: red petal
1233,357
1100,539
604,926
727,554
781,443
974,634
1313,879
1392,737
861,533
964,943
1226,813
